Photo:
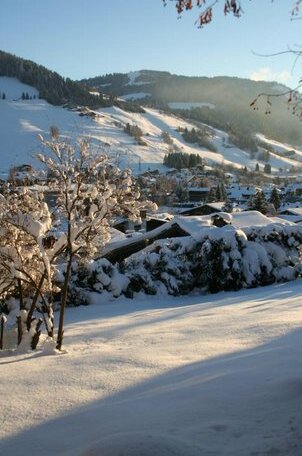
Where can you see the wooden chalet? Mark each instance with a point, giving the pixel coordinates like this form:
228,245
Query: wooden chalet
204,209
119,251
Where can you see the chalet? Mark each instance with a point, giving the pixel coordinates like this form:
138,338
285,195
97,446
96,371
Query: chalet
118,251
150,173
241,194
204,209
294,189
150,224
297,211
171,172
197,194
291,214
22,175
184,226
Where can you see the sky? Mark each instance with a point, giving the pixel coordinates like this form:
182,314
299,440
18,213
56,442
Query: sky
86,38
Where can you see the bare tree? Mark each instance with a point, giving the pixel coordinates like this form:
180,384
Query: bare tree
206,8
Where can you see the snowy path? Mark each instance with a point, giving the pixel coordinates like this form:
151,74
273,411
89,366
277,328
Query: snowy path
216,376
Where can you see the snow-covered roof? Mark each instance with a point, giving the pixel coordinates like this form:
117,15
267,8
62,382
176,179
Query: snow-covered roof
218,206
293,210
193,225
287,219
238,220
116,235
237,191
293,187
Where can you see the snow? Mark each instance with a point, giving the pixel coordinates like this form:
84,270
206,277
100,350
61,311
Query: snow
280,147
13,88
24,119
294,211
132,76
239,220
215,375
194,224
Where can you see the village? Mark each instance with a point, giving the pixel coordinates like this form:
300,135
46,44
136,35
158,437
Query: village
189,199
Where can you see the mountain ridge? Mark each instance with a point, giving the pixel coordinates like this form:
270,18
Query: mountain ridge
229,96
51,86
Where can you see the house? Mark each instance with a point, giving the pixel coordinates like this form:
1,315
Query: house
150,224
297,211
197,194
204,209
294,189
291,214
184,226
118,251
22,175
241,194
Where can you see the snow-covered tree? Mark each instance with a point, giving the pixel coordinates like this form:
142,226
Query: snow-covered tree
275,198
38,252
91,192
25,267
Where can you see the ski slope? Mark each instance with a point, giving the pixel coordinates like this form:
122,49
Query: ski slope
22,120
189,376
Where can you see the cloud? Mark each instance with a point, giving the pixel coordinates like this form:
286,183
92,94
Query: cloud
266,74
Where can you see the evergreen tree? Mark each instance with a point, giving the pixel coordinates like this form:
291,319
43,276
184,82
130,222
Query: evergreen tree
258,202
166,137
50,85
275,199
223,192
212,195
257,168
267,168
218,193
181,160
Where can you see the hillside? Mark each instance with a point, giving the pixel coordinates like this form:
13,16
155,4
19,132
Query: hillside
31,100
49,84
22,120
223,102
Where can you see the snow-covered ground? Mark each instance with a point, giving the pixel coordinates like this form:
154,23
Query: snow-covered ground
13,89
22,120
217,375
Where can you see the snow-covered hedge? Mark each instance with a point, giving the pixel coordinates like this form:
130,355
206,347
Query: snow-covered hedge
219,259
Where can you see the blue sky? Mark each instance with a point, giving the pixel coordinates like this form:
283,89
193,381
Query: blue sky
84,38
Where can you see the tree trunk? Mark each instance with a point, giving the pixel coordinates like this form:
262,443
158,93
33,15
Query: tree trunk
1,332
36,337
22,306
20,330
34,302
63,304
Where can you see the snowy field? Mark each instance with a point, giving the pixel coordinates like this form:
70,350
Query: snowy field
217,375
22,120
